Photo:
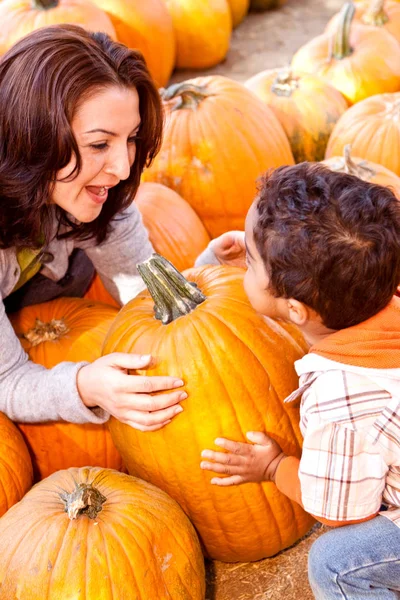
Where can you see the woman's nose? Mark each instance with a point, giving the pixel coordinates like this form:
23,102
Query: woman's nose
120,164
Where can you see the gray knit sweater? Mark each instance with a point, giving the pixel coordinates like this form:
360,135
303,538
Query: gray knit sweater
31,393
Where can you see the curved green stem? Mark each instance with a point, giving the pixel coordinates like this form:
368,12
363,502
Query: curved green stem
186,95
375,14
44,4
341,43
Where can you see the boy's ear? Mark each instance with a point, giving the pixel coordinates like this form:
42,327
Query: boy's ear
297,312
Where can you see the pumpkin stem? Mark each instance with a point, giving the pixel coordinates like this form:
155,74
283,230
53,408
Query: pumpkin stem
375,14
44,4
46,332
173,295
348,165
341,42
84,500
285,83
186,95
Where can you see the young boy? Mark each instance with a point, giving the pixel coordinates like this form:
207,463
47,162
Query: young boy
323,252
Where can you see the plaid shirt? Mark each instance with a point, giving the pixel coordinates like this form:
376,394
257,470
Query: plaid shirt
350,421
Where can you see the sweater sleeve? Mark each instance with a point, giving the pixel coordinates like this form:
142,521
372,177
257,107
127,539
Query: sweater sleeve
30,393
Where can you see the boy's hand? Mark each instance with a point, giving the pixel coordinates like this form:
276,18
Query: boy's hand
229,249
244,463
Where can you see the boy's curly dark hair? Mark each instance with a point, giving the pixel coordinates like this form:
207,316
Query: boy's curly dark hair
329,240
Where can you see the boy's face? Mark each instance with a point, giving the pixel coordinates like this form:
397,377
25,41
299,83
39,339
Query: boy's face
256,280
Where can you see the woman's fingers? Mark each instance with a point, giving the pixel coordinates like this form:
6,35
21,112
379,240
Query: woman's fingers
227,481
149,417
138,384
147,403
141,427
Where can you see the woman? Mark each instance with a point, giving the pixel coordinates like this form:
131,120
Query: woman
79,120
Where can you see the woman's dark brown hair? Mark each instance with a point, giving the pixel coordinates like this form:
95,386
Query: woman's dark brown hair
43,79
329,240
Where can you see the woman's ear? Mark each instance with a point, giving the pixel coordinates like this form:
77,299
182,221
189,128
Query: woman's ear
297,312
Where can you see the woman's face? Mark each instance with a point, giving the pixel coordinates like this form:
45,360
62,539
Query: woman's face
105,128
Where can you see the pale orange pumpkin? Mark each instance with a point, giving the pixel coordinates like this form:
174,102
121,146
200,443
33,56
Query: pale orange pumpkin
147,26
66,329
218,139
375,13
359,61
175,230
239,9
202,31
100,535
306,106
20,17
372,127
237,368
364,169
16,473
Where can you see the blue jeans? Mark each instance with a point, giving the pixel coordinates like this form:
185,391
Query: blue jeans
357,562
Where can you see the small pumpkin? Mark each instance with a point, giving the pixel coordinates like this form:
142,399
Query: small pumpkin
16,473
218,139
306,106
20,17
237,369
365,170
239,9
372,127
94,534
146,26
202,32
66,329
261,5
357,60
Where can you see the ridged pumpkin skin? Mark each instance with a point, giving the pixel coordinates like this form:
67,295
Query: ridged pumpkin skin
239,9
237,371
76,329
20,17
16,473
146,26
306,106
218,139
372,127
202,32
363,63
139,546
383,14
364,169
175,230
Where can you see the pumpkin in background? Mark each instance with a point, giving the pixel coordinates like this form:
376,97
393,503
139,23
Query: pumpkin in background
96,291
20,17
202,31
376,13
237,368
306,106
65,329
372,127
97,534
260,5
218,139
365,170
357,60
16,473
239,9
147,26
175,230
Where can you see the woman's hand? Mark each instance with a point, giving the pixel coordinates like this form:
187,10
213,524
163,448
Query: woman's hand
130,398
229,248
244,463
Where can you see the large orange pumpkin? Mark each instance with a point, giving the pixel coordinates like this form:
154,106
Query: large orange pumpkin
147,26
237,370
372,127
376,13
20,17
66,329
202,31
364,169
175,230
16,474
96,534
306,106
219,138
359,61
96,291
239,9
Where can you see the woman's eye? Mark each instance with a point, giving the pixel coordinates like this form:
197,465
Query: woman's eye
101,146
133,139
